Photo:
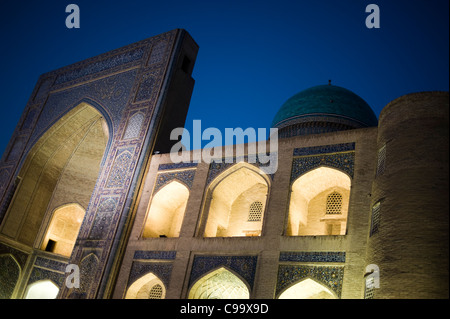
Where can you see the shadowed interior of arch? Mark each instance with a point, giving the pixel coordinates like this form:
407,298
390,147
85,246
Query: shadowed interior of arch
319,203
232,204
166,211
62,167
219,284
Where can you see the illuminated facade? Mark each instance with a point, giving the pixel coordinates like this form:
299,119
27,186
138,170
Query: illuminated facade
358,207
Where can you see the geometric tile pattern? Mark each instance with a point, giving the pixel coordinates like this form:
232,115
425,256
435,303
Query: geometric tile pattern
184,176
329,276
324,149
342,161
309,256
244,266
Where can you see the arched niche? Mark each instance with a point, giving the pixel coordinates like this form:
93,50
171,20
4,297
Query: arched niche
307,289
148,286
43,289
63,229
319,202
61,167
166,211
231,201
219,284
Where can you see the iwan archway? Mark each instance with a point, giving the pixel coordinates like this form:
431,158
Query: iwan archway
60,169
235,203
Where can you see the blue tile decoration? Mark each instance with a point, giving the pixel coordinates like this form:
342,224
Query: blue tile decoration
50,264
38,274
324,149
245,266
162,270
340,156
103,218
18,255
163,255
329,276
121,168
306,256
172,166
110,93
184,176
216,168
158,52
9,275
146,88
134,125
101,65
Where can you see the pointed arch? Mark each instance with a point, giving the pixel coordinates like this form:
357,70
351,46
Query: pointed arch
229,200
220,283
309,196
63,229
42,289
166,211
307,288
149,286
61,167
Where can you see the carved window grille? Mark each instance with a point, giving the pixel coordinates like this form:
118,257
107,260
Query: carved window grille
369,287
334,203
156,292
375,218
255,212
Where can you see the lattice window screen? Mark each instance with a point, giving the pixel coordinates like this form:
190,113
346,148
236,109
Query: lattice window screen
255,212
375,218
156,292
334,203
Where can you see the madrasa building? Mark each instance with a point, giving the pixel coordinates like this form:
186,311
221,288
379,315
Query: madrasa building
94,207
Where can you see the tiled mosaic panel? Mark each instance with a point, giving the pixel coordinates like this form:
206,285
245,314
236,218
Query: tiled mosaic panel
120,168
216,168
111,93
38,274
342,161
313,256
158,52
185,176
16,149
134,126
245,266
329,276
146,88
103,218
105,64
324,149
162,270
170,166
141,254
9,275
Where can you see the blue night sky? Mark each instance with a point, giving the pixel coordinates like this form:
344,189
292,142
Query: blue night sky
253,55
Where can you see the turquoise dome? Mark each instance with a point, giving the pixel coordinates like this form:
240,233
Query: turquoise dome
324,108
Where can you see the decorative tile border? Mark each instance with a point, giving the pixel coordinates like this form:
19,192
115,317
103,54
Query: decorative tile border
324,149
216,168
184,176
329,276
307,256
171,166
162,270
342,161
245,266
166,255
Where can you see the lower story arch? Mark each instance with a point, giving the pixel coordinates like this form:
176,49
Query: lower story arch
219,284
307,289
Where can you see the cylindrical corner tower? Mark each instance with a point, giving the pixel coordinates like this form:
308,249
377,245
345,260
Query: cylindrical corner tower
408,235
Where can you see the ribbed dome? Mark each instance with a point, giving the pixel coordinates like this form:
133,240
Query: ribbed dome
323,108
